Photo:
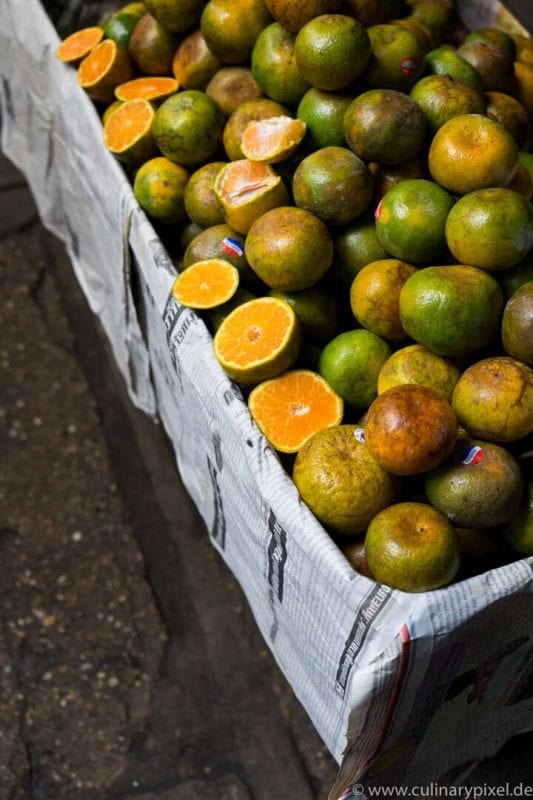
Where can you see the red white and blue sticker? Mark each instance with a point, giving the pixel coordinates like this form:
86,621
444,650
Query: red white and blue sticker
359,434
232,247
472,455
409,65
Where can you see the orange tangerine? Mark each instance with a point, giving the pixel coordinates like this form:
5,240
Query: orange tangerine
193,63
351,363
412,547
340,480
278,247
120,27
293,14
100,72
249,111
493,399
258,340
79,44
375,297
416,364
128,132
410,429
206,284
496,37
274,65
231,27
272,140
188,127
159,187
331,51
494,66
323,113
230,87
397,58
444,61
317,309
246,190
177,17
154,88
354,247
293,407
517,324
441,97
152,47
472,152
511,115
201,202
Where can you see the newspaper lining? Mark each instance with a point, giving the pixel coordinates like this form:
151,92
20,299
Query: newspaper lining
402,688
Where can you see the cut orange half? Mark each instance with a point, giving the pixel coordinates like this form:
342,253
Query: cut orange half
206,284
128,132
259,340
105,68
246,190
293,407
153,88
272,140
79,44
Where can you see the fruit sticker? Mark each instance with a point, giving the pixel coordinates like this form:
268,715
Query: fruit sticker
359,434
472,455
232,247
409,65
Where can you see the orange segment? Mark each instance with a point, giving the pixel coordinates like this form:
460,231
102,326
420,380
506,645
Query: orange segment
107,66
272,140
293,407
128,132
206,284
259,340
246,190
79,44
147,88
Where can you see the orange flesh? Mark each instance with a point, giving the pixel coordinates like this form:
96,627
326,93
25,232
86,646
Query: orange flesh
273,136
254,331
129,122
79,44
242,180
291,408
206,284
97,63
146,88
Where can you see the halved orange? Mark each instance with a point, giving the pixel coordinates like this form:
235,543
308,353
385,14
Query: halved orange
79,44
128,132
258,340
206,284
149,87
272,140
293,407
105,68
246,190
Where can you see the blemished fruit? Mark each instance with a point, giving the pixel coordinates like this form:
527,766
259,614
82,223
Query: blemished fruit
293,14
341,482
410,429
375,297
490,228
495,67
230,87
496,37
493,399
334,184
206,284
480,486
152,47
128,133
159,188
351,363
356,554
397,58
412,547
411,220
258,340
441,98
177,16
452,310
188,127
517,324
293,407
278,246
385,126
331,51
511,114
416,364
193,63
